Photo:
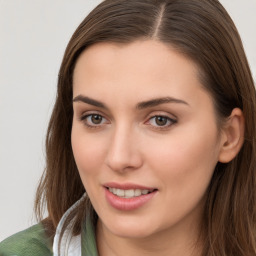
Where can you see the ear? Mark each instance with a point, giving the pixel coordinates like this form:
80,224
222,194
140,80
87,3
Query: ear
232,137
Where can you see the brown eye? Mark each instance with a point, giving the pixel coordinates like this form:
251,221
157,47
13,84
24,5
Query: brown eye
96,119
93,120
161,120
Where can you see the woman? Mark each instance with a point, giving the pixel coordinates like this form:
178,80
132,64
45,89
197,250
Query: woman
155,120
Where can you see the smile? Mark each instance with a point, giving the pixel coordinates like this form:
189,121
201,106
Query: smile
129,193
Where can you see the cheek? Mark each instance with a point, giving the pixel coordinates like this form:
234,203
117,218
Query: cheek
89,156
88,152
185,158
183,164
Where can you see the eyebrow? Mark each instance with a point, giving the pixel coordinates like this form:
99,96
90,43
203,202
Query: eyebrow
140,105
89,101
159,101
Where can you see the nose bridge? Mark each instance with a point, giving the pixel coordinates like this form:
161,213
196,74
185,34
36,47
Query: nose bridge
123,151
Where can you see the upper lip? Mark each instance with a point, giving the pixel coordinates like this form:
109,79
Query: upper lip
126,186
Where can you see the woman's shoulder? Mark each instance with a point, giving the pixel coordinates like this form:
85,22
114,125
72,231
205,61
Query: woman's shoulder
29,242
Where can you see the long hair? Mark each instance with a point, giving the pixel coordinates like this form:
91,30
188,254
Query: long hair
203,31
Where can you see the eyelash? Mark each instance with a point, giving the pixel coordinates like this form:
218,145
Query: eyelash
95,126
171,122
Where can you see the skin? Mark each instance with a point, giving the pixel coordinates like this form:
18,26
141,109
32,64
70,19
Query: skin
128,145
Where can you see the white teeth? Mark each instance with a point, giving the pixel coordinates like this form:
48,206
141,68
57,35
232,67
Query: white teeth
120,192
129,193
144,192
137,192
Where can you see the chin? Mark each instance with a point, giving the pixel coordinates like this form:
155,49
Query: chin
131,229
132,233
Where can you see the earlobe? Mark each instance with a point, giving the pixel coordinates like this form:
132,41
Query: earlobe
232,136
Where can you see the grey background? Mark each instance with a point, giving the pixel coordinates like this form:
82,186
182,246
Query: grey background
33,37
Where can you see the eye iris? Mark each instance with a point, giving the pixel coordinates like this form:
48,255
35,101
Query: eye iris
161,121
96,119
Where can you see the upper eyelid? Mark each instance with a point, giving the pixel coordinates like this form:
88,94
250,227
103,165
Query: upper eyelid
173,120
162,113
170,118
83,112
92,112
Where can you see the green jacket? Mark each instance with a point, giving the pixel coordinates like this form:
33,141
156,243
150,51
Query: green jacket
34,242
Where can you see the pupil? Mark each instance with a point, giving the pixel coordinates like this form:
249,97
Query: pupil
160,120
96,119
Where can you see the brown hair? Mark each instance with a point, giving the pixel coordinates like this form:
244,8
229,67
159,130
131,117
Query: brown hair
203,31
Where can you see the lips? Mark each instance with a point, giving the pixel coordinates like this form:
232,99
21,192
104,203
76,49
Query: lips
128,196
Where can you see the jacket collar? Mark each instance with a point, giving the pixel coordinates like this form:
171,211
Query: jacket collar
81,245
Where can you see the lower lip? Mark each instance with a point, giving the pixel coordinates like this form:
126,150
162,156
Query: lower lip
127,204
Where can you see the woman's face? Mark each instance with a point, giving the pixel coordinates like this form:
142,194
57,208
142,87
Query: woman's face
144,137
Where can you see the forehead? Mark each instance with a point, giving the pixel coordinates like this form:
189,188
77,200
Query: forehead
145,55
145,68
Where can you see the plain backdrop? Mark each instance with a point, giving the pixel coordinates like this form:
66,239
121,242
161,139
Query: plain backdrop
33,37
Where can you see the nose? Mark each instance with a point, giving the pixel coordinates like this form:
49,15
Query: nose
123,153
